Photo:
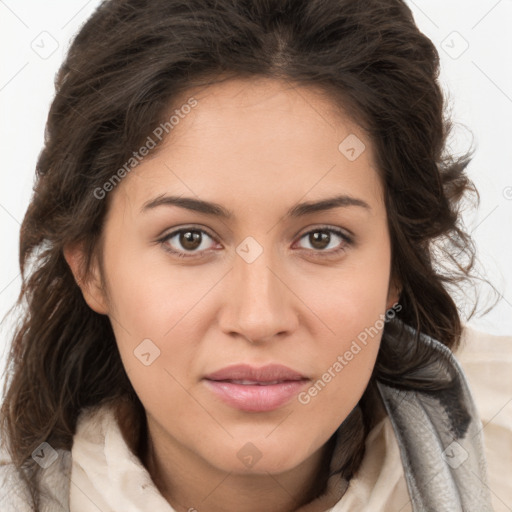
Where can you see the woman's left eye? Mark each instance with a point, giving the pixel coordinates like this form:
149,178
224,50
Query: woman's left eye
320,239
192,241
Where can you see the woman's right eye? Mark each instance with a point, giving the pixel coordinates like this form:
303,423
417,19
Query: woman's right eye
186,240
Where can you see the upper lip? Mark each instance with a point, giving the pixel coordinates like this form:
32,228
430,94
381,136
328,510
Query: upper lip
268,373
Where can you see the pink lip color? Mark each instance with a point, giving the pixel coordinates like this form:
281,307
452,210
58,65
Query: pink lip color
260,396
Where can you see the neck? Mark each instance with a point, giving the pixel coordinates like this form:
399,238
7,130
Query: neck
203,487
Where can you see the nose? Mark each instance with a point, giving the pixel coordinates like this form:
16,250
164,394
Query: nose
259,305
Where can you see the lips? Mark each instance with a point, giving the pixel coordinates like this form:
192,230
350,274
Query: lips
253,389
253,382
263,375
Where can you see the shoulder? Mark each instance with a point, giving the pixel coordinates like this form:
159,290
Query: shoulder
486,353
54,484
486,360
14,495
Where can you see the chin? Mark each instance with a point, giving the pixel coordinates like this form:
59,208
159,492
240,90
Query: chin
258,457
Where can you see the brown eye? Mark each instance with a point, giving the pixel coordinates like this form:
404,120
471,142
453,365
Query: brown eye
319,239
328,240
189,240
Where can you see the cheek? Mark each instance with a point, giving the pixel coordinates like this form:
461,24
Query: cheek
347,301
344,368
149,297
352,307
152,308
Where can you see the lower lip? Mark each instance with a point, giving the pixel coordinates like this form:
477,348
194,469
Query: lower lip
254,398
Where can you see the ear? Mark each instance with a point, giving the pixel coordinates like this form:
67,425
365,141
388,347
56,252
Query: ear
92,287
394,291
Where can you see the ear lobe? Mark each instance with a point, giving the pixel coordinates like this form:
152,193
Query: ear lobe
91,286
393,293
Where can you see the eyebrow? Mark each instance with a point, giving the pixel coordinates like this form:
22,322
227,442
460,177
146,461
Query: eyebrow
216,210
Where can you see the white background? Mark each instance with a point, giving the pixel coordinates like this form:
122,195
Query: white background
477,79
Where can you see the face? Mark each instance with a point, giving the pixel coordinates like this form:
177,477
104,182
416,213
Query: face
247,334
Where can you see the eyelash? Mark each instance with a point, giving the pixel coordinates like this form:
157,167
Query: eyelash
348,242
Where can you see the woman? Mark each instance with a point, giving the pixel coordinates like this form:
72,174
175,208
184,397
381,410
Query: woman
235,303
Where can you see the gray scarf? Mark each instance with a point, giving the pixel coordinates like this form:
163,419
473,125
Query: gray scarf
438,428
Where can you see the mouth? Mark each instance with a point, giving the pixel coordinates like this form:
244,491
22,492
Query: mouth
254,382
253,389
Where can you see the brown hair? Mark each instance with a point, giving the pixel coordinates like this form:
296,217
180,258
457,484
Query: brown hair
127,64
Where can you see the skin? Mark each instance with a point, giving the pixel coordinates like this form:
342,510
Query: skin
257,148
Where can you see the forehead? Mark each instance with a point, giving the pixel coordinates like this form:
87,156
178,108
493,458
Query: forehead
266,106
260,138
